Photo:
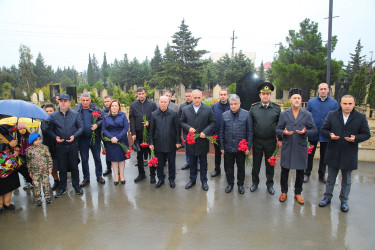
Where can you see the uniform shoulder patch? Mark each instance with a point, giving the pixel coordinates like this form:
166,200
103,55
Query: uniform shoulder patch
254,103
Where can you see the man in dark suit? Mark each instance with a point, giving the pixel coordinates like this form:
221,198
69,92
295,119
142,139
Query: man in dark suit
345,127
198,118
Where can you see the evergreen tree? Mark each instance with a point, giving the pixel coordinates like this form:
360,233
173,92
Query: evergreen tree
58,74
27,76
238,66
40,71
95,68
222,65
104,70
355,64
209,75
156,61
189,65
358,88
90,73
261,72
303,63
371,94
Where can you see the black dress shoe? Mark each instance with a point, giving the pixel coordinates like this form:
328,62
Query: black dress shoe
115,183
123,182
56,184
215,173
10,207
38,203
78,190
152,180
136,146
48,201
253,188
60,192
271,190
172,184
187,166
324,202
344,207
205,186
159,184
140,178
100,180
84,183
241,189
190,184
107,172
228,189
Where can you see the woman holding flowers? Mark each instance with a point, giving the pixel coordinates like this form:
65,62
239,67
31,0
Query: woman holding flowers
115,126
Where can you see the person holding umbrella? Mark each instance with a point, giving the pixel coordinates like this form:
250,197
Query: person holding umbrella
66,127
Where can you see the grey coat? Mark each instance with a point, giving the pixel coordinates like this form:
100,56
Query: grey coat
294,150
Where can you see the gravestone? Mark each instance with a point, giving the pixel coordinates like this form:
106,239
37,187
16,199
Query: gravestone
305,93
54,90
247,89
41,96
216,92
34,98
341,89
72,92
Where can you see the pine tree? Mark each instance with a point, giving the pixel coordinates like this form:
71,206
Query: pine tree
156,61
355,64
261,72
104,70
358,88
95,68
40,71
90,73
371,94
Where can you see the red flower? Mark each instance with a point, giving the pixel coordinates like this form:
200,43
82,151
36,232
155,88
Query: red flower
272,160
153,162
96,114
183,141
104,152
242,145
310,148
190,138
145,145
14,128
127,155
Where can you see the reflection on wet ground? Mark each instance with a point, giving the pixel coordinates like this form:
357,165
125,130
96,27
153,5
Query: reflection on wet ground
138,216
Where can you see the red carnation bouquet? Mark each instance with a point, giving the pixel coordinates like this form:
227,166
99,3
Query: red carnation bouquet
95,116
122,145
242,146
272,160
309,148
153,162
145,144
212,139
191,137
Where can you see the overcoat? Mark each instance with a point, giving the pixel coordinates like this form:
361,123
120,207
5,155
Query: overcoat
340,153
202,121
294,150
164,130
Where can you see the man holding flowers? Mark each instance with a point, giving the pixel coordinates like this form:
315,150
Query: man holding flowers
90,138
198,118
265,115
236,136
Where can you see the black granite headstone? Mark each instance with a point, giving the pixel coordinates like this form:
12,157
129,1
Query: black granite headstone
341,89
13,93
305,93
247,89
53,91
72,92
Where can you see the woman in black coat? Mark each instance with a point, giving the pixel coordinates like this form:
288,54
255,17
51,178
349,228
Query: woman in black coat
115,126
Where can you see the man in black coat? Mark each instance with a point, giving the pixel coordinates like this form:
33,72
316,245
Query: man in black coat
188,101
198,118
139,108
165,138
345,127
107,100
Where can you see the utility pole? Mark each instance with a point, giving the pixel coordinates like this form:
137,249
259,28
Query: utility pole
328,78
232,38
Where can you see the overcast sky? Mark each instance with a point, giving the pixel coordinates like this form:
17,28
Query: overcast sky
65,32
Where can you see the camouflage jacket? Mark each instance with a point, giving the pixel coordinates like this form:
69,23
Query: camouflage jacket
38,159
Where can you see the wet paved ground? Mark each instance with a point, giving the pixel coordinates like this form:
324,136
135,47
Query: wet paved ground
138,216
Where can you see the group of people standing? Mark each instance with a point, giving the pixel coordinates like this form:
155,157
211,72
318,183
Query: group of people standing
264,129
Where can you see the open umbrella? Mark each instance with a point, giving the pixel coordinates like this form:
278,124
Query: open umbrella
29,123
21,108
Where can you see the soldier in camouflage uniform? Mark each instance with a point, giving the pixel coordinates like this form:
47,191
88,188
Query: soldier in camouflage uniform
40,167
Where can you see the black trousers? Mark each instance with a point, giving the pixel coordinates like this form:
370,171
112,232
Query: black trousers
141,154
218,157
229,160
67,157
162,157
260,147
322,166
284,181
